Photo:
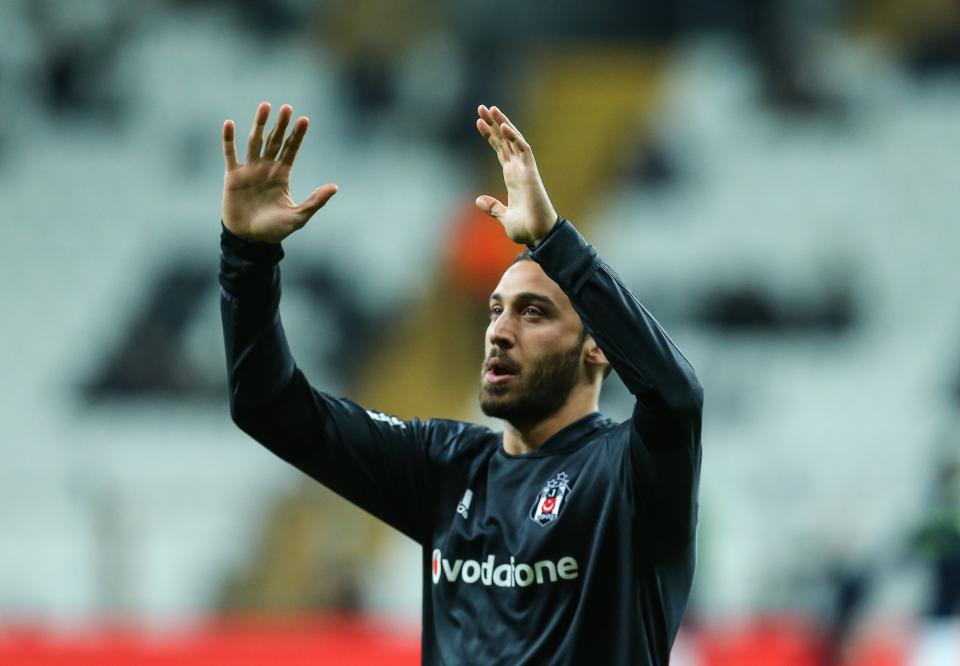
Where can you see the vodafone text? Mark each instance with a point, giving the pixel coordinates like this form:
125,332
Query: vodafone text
506,574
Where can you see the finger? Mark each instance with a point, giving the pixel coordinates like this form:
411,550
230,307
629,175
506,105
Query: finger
497,120
484,129
485,115
315,202
509,130
500,117
229,148
491,118
491,206
292,144
508,145
498,144
256,132
503,125
514,137
275,140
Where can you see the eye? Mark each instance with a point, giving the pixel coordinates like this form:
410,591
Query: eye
495,311
532,312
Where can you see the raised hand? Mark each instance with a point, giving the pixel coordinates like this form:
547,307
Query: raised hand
528,215
256,193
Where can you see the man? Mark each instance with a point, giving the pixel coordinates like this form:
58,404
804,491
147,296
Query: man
568,538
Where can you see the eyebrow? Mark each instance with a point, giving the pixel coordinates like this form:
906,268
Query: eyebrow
528,297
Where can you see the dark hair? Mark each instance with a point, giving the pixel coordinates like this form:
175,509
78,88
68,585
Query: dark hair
523,256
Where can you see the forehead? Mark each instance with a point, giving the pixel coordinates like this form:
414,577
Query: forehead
526,277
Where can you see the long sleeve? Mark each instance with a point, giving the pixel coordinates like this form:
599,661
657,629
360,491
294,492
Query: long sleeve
259,363
376,461
663,461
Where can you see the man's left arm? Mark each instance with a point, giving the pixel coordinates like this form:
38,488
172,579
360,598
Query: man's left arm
664,446
663,468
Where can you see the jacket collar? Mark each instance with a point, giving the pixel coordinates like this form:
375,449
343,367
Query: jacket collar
569,437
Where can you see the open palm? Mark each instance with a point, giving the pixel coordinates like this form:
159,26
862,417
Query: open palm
528,215
256,194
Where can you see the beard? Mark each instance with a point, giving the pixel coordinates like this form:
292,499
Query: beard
538,390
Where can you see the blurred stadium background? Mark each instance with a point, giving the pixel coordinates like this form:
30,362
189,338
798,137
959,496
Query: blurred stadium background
777,179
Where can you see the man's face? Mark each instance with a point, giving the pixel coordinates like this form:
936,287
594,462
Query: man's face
533,348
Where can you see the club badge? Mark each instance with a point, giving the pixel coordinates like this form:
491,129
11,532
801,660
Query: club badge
546,508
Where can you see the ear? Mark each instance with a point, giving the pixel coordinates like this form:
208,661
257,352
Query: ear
593,355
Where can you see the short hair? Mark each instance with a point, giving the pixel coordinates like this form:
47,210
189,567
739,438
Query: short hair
525,255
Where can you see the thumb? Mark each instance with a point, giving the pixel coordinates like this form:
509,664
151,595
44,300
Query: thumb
315,202
490,206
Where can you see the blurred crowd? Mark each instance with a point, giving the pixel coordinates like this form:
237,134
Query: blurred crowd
774,178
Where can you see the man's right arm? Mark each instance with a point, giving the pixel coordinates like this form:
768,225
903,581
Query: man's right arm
377,462
259,363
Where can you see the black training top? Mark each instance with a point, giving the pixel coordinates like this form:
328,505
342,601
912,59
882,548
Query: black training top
582,552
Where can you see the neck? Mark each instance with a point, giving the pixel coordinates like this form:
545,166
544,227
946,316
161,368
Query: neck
519,439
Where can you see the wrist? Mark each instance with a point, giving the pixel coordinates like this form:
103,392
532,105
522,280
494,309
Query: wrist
235,228
252,250
550,228
243,232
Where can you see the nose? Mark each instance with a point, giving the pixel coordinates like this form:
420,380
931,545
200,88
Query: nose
501,332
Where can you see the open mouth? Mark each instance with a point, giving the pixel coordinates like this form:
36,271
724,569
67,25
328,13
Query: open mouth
499,371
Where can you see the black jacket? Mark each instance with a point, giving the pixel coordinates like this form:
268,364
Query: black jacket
582,552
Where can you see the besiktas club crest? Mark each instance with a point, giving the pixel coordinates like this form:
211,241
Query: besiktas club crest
546,508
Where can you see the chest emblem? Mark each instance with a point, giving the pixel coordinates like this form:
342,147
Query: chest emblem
546,508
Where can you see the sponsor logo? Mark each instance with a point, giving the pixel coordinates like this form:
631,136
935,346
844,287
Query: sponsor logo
386,418
504,574
546,508
463,508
